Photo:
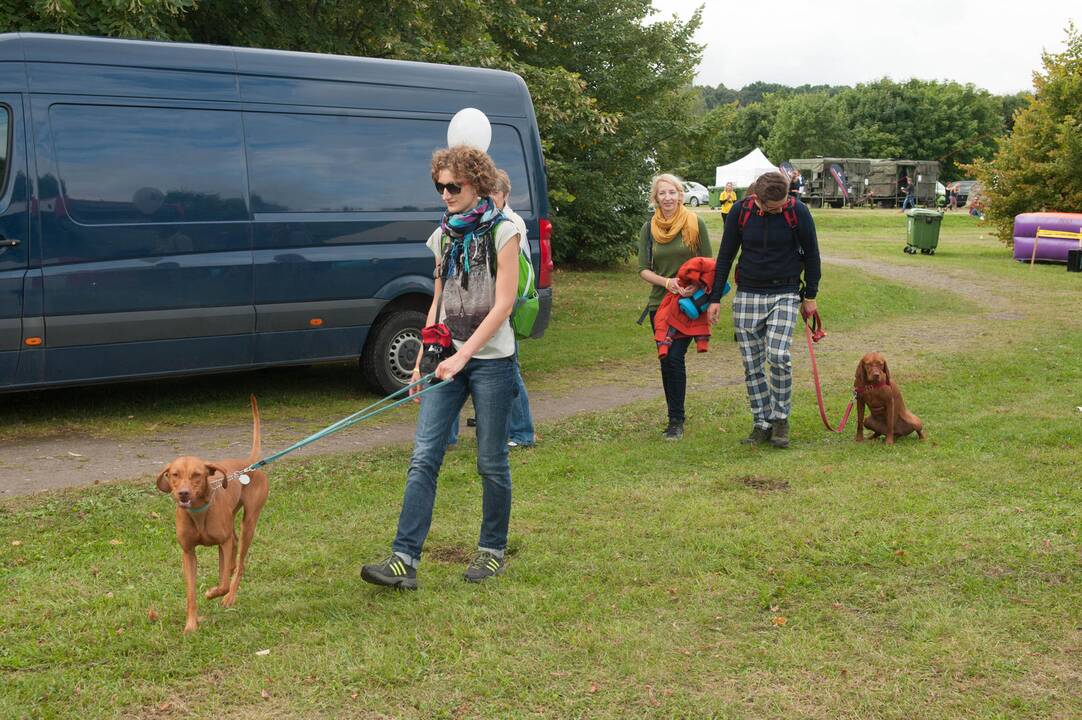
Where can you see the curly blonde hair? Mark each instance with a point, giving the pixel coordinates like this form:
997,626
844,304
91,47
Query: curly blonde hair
466,163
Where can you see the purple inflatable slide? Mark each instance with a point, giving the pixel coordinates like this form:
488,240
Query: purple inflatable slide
1053,249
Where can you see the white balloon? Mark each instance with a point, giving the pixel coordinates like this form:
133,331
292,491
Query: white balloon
469,126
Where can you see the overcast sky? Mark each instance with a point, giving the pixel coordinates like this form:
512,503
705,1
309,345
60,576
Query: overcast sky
991,43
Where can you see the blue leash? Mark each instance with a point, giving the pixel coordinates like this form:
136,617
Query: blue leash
381,405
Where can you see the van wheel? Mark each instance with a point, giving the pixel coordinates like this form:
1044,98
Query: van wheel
694,202
390,354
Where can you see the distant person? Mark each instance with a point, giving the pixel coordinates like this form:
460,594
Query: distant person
667,240
908,191
727,198
796,183
953,191
769,293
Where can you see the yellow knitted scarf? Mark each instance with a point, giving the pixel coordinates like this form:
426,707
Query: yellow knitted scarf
683,222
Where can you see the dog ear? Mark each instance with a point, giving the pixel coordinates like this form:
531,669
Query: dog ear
163,480
860,380
886,371
212,468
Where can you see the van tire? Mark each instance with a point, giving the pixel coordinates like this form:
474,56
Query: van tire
390,353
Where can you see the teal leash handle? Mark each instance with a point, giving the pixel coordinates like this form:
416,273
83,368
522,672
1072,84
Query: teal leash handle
364,413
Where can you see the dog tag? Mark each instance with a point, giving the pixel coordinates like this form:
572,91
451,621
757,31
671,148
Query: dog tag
244,479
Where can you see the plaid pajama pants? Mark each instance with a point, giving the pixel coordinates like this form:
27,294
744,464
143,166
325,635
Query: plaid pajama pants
764,327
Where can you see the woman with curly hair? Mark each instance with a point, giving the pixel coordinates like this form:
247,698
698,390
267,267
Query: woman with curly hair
671,237
476,250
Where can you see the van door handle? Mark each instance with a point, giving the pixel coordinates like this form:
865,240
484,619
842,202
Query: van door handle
8,243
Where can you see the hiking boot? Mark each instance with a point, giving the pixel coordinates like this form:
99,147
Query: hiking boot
779,433
483,566
674,431
758,436
392,572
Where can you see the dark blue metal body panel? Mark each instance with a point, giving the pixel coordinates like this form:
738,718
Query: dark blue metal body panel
198,208
14,228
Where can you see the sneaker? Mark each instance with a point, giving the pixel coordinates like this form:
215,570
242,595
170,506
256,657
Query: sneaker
392,572
483,566
779,433
674,431
758,436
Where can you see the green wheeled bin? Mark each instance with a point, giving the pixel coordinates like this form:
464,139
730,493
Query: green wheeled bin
715,196
922,231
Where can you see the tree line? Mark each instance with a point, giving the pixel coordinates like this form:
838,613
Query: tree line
950,122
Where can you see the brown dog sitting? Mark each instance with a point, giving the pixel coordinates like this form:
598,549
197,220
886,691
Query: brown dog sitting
208,496
889,416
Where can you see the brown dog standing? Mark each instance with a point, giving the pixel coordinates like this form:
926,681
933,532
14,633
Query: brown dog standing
888,414
207,501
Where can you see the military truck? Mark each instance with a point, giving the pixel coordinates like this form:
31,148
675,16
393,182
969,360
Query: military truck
884,181
833,181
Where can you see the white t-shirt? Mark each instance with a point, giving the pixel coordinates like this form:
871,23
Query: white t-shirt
520,225
470,308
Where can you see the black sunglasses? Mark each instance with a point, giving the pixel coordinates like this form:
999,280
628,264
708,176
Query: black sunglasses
449,187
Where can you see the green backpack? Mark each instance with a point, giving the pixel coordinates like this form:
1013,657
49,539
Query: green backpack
527,304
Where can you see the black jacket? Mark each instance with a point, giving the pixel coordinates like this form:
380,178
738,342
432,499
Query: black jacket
772,255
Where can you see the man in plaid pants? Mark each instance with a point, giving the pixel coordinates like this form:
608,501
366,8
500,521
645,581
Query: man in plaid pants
775,237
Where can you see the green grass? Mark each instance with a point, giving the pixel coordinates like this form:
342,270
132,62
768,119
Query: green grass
835,580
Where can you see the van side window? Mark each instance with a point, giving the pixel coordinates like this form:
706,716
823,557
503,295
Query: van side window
165,165
5,146
336,163
507,152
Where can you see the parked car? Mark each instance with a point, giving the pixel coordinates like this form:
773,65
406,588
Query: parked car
172,209
695,194
965,189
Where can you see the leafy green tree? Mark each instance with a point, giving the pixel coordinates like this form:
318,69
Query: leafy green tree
809,125
1039,166
147,19
924,120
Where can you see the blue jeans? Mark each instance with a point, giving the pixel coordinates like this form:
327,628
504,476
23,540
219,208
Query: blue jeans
910,201
490,383
522,431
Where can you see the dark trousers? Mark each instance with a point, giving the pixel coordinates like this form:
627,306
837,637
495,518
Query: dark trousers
674,375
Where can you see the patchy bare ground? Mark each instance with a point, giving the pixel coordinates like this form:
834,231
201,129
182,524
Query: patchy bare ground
37,465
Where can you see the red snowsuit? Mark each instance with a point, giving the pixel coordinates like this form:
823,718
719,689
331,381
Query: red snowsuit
671,323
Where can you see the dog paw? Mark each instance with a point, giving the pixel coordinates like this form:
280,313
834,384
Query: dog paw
190,627
229,599
215,592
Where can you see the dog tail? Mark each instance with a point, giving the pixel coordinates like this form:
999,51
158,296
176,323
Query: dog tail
256,443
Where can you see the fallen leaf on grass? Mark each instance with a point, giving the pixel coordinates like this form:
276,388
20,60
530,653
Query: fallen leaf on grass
264,694
16,543
154,515
353,696
779,620
593,687
120,631
116,541
152,615
109,594
262,652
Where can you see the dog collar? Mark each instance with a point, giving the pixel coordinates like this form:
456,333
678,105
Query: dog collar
860,390
199,510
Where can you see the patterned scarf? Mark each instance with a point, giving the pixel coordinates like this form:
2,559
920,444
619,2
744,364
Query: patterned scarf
463,229
683,222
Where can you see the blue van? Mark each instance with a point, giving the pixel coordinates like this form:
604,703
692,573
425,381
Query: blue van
171,209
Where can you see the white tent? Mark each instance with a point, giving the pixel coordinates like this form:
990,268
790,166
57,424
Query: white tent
744,171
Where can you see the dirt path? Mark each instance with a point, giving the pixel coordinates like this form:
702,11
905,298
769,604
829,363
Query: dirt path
37,465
